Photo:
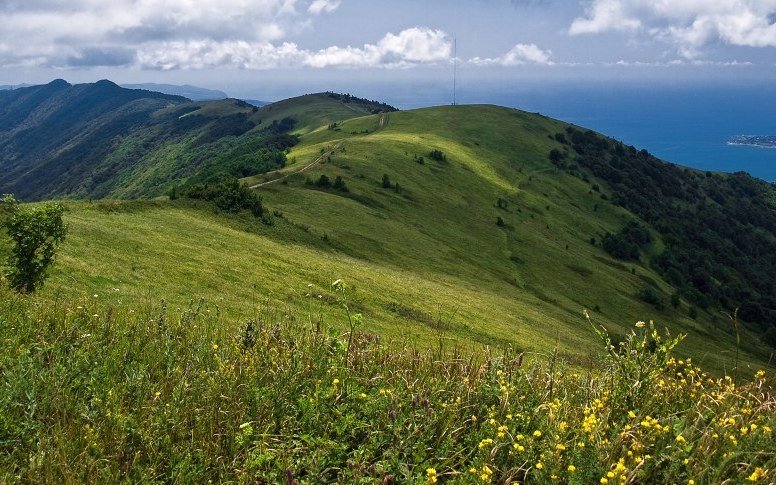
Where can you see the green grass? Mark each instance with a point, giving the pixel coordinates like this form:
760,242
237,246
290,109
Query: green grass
101,391
426,262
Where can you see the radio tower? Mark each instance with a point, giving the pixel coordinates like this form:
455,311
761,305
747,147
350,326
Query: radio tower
455,69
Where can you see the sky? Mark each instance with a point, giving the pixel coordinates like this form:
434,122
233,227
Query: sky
269,49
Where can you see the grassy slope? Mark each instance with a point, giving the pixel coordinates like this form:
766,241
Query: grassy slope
425,263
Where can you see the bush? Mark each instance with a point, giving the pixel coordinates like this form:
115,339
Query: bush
648,295
339,184
35,232
437,155
229,196
386,182
627,243
323,181
557,157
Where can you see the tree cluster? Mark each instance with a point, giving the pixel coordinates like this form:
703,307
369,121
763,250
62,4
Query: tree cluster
719,230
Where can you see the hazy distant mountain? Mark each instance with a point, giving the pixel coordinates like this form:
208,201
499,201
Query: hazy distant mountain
194,93
5,87
256,102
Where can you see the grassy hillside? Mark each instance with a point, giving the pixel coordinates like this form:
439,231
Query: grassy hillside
425,261
95,391
449,221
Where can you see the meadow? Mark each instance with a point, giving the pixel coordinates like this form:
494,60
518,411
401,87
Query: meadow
105,392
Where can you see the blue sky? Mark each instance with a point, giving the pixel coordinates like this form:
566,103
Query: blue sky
275,48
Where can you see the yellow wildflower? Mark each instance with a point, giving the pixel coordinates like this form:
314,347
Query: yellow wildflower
757,474
431,475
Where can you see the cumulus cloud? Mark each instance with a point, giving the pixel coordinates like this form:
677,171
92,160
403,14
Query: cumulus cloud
319,6
689,25
408,48
96,33
519,54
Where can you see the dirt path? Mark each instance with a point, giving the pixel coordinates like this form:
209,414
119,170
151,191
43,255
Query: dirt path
303,169
382,122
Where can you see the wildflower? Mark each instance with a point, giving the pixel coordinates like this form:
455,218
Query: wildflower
215,346
560,447
431,475
604,480
640,324
335,382
757,474
539,465
572,468
631,414
537,433
474,418
362,395
691,482
484,443
680,439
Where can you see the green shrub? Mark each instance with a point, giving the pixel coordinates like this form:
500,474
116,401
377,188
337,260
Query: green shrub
229,196
35,233
437,155
339,184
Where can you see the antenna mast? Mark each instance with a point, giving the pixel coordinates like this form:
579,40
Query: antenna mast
455,69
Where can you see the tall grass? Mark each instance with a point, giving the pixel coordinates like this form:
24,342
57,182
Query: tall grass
103,393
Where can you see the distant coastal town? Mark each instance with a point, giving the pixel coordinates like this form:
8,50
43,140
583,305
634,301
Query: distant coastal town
754,141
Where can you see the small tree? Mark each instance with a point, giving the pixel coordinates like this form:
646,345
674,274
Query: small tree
386,181
35,233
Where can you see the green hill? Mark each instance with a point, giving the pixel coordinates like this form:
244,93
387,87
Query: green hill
480,224
100,140
450,222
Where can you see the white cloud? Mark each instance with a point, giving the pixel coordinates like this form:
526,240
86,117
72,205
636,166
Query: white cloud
519,54
689,25
408,48
53,32
319,6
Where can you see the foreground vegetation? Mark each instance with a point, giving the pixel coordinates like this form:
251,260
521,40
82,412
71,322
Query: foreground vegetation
110,392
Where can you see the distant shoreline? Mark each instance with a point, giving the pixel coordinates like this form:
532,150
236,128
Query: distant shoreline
753,141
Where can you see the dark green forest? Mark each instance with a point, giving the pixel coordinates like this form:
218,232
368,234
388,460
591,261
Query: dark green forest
718,229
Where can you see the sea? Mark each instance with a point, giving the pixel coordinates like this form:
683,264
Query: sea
688,124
